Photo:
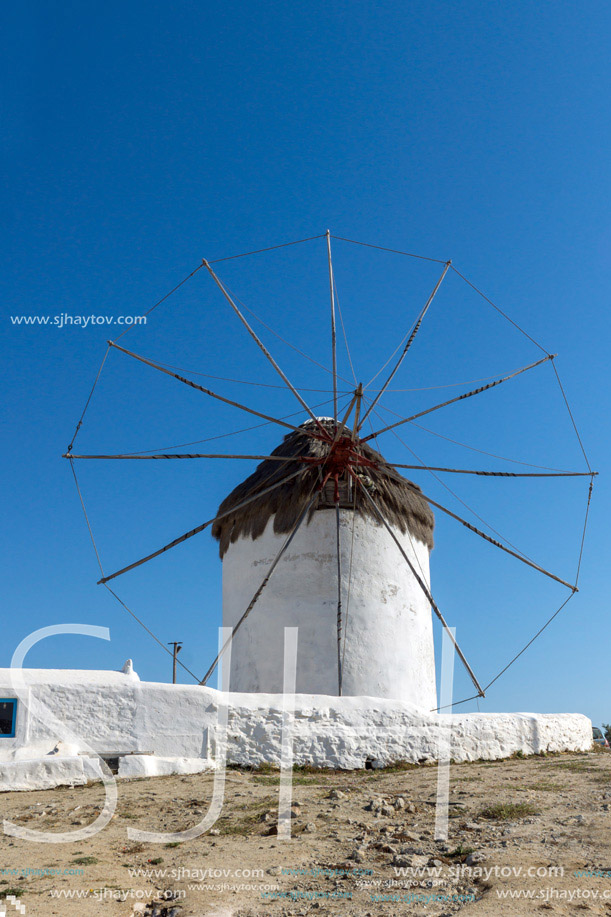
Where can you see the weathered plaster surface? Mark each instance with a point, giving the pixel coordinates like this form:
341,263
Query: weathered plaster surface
387,619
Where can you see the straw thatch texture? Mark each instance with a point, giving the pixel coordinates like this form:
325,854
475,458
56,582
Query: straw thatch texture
400,505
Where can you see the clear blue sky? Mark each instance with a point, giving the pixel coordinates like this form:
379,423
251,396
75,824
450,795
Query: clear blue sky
141,137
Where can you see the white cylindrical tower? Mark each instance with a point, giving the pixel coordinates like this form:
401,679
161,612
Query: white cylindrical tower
386,641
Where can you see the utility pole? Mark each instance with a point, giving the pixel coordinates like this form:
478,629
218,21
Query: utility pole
177,644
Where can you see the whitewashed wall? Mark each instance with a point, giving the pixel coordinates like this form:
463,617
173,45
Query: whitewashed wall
108,712
389,638
178,724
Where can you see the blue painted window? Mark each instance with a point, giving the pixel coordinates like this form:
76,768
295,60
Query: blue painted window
8,714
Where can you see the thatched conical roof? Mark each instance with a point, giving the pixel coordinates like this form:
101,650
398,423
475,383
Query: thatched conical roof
401,506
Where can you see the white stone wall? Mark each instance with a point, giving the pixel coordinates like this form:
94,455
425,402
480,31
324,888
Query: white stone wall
107,712
175,729
389,639
347,732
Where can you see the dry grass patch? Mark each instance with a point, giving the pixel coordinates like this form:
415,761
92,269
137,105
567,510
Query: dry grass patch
508,811
15,892
250,819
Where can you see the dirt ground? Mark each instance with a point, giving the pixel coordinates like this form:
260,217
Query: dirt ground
526,835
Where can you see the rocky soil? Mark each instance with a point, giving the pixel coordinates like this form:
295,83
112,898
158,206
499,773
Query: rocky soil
362,844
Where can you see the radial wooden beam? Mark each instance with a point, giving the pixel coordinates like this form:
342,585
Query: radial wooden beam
198,529
496,474
407,346
189,455
341,427
357,411
476,391
476,531
333,330
207,391
264,350
425,589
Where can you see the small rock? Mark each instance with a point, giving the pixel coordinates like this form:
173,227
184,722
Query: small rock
336,794
407,836
310,828
474,858
357,855
214,832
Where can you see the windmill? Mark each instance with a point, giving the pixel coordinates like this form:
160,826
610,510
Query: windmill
329,527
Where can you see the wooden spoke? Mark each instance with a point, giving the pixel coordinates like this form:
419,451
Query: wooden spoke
497,474
212,394
197,530
483,535
407,346
476,391
421,583
189,455
333,331
266,352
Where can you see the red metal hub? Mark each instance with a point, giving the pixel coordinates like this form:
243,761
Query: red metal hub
343,456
